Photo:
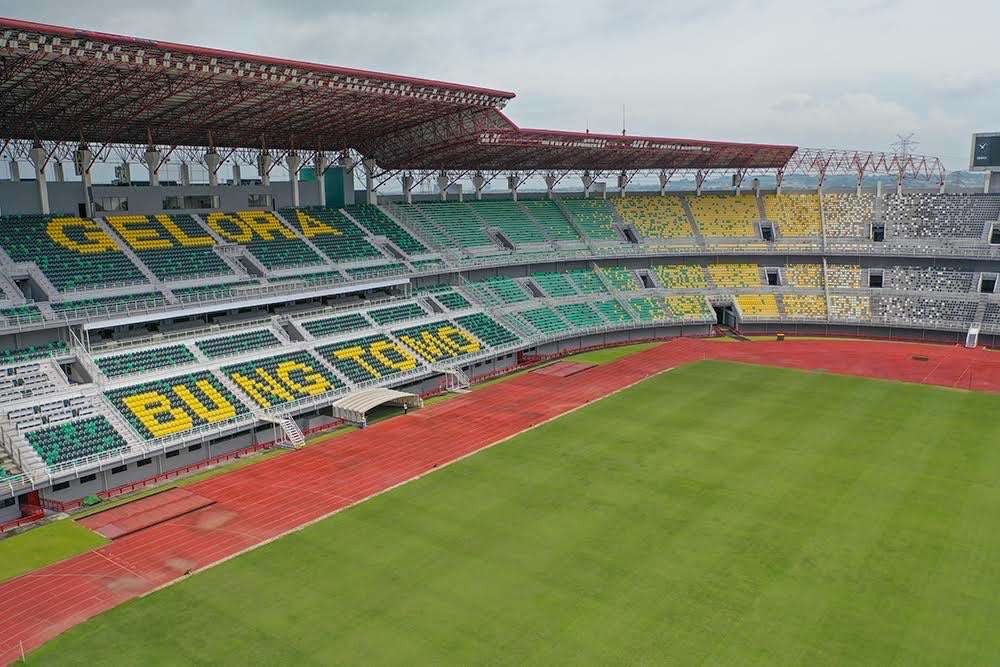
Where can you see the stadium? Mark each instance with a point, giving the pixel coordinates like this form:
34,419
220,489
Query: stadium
462,391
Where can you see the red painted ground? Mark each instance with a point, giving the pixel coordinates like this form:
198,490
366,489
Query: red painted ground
146,512
265,500
563,369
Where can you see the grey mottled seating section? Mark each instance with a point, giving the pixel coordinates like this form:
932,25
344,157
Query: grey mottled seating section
925,215
923,309
933,279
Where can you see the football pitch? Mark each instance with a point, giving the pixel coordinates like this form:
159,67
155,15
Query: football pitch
718,513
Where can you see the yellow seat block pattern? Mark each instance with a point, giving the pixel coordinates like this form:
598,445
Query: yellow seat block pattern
682,276
735,275
758,305
726,215
850,307
804,305
688,307
796,215
804,275
843,276
656,216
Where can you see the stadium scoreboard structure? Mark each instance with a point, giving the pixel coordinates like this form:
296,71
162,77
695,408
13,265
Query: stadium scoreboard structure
985,156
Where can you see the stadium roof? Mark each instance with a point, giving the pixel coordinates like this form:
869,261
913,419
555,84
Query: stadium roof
63,84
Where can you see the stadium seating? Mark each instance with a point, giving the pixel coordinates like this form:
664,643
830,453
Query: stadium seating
655,216
173,247
758,305
364,272
125,302
554,284
17,355
144,361
545,320
649,309
843,276
452,300
379,224
265,236
621,278
282,379
509,218
594,216
487,329
847,215
735,275
330,231
725,215
228,346
427,264
22,313
797,215
505,289
439,341
405,311
75,440
370,358
73,253
455,218
27,380
587,282
689,307
681,276
219,291
550,217
850,307
174,405
580,315
804,275
613,311
923,309
330,326
933,279
927,215
806,306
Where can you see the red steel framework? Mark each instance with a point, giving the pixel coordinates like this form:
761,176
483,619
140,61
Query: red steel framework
59,86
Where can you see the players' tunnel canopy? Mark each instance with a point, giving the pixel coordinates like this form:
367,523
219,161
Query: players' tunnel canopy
64,84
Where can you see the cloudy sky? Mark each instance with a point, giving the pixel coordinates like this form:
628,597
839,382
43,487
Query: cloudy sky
847,74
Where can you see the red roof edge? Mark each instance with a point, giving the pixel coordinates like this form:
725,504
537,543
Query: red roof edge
76,33
697,142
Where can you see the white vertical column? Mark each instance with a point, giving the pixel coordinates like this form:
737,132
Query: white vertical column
212,161
153,165
264,162
443,185
84,160
512,185
321,164
15,172
587,180
294,161
550,184
369,165
58,171
237,175
407,181
699,181
478,182
38,157
664,179
185,173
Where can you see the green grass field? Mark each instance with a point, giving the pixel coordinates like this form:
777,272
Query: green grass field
717,514
44,545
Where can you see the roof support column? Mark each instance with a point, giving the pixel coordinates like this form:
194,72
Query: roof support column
39,158
84,160
321,164
478,182
664,179
822,180
15,171
152,158
443,185
899,183
623,180
550,184
699,181
861,181
512,182
237,175
587,180
407,182
264,162
58,171
369,164
185,174
213,161
779,178
294,162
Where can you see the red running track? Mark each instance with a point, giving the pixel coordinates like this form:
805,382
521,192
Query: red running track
266,500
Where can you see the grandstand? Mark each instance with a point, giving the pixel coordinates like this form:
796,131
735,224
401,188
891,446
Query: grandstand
153,318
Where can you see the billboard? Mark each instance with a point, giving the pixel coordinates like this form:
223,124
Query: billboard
985,152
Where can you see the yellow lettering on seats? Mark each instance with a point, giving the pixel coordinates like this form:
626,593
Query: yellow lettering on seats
315,385
181,235
427,346
141,237
264,223
459,339
224,225
97,240
150,406
311,227
223,409
356,354
259,390
379,348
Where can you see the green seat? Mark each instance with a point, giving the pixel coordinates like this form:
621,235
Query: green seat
227,346
487,329
144,361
